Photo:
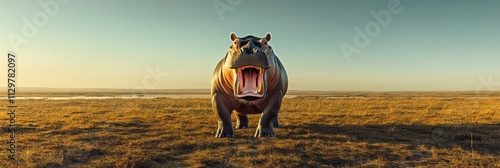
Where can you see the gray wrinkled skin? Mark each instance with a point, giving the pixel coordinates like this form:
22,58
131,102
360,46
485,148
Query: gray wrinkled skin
248,51
249,54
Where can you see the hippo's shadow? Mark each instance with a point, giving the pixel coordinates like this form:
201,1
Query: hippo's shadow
483,136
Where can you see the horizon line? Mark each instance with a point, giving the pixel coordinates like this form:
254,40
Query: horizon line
208,89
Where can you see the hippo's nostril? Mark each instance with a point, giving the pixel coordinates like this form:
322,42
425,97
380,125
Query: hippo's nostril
247,51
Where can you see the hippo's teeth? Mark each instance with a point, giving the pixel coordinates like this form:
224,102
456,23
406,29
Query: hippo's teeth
240,91
261,70
261,89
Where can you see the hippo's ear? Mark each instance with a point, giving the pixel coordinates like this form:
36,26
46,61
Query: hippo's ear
268,37
232,36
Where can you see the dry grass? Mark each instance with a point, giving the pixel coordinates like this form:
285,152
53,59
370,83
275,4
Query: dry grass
370,130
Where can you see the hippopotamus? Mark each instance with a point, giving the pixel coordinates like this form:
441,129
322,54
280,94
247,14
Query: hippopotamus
250,79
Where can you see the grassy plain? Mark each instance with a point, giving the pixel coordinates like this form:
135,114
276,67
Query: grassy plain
400,129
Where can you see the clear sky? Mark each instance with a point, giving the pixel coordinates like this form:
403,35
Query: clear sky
426,44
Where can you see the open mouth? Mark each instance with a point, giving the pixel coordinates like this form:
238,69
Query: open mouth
250,82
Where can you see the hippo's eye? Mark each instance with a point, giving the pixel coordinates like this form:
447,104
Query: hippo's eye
265,43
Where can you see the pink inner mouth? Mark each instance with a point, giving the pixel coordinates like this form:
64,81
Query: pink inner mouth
250,82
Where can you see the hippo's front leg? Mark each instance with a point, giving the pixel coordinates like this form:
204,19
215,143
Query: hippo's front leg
269,118
274,121
221,110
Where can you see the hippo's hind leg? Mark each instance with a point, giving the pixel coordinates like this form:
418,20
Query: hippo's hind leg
242,121
225,126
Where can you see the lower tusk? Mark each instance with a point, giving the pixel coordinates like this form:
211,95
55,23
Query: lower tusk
261,70
261,89
239,89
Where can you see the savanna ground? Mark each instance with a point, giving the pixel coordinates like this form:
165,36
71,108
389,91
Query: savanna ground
347,130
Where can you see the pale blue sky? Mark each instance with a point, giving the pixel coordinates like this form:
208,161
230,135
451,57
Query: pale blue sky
429,45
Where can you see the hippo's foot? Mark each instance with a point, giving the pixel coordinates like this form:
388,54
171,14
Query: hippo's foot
264,132
240,125
242,121
224,131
